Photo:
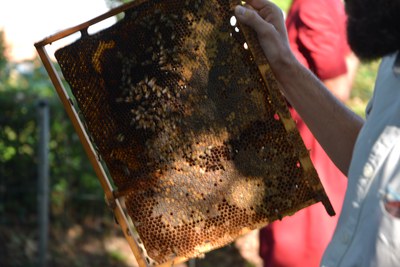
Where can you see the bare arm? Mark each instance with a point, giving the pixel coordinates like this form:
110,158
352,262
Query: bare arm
334,125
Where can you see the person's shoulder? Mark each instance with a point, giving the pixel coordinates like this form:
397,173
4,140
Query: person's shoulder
313,9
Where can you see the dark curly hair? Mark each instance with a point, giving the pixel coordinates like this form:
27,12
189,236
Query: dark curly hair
373,27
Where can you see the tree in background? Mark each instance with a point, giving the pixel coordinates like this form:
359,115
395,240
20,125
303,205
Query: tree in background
75,190
3,59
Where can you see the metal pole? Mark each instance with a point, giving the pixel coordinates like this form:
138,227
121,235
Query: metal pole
43,186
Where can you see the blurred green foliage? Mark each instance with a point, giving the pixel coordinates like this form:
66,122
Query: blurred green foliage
363,86
3,59
75,193
283,4
72,177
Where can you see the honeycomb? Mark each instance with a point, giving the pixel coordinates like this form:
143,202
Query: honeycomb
188,119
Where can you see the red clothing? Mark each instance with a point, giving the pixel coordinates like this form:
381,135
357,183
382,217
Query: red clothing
317,35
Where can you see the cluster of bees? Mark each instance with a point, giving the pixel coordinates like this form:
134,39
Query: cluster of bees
152,82
151,95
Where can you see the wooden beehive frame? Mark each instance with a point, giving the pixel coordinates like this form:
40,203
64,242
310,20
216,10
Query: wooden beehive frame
111,195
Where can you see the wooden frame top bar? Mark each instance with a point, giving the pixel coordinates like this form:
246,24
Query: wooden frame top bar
87,24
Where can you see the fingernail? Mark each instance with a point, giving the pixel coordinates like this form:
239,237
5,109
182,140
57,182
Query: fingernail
240,10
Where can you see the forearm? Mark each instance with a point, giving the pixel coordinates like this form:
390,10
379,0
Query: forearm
333,124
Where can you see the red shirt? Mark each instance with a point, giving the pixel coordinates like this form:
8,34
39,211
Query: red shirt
317,35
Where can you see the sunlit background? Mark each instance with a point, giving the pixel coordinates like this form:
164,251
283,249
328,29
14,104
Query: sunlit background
28,21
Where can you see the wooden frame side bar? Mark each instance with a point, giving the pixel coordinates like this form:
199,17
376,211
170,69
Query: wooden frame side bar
91,152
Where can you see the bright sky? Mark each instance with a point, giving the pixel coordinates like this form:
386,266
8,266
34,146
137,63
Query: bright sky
26,22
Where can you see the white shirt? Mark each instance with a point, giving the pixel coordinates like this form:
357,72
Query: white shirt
366,234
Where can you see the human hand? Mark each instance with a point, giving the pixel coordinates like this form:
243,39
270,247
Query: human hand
267,20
